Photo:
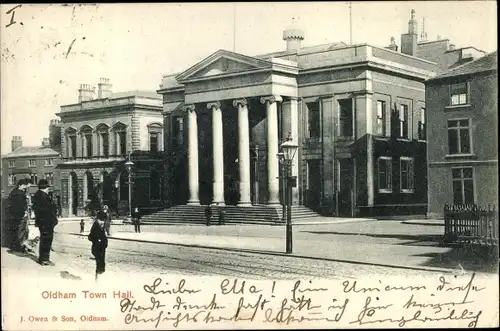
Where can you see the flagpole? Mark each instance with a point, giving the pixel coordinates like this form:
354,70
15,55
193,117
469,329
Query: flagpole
350,21
234,27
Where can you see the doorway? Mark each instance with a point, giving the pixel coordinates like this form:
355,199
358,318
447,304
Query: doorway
74,194
313,185
345,187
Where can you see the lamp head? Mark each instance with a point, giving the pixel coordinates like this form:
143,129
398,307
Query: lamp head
289,148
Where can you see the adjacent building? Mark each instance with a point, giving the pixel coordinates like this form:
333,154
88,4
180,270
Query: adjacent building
462,112
358,113
99,134
34,162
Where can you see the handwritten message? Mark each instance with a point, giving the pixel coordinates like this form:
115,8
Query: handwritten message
353,303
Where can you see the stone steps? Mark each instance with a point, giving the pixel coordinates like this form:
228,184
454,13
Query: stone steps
260,214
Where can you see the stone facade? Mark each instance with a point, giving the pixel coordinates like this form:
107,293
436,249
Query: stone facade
98,137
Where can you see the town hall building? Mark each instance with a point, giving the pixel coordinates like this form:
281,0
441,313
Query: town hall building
357,113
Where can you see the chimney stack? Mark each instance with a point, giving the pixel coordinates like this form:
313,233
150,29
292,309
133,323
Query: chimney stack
393,46
45,142
104,88
17,141
293,36
409,40
452,47
85,93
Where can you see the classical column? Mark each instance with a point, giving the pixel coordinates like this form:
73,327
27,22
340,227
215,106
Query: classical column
244,152
272,148
193,154
294,129
218,153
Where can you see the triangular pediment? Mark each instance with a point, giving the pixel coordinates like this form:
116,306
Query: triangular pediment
223,62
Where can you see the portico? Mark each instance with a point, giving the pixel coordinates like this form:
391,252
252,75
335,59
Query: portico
238,102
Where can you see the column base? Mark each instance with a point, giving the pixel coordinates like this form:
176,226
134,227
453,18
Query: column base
244,204
193,203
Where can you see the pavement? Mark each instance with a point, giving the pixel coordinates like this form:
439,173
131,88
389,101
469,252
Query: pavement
413,245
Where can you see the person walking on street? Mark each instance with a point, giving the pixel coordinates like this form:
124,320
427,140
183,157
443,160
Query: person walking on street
18,217
99,241
59,207
82,226
45,220
208,214
222,214
136,219
107,220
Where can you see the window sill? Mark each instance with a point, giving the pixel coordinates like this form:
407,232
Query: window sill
344,138
407,191
460,156
422,141
384,138
457,107
385,191
403,139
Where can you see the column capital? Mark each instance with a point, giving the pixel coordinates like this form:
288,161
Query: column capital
190,107
271,99
241,101
213,104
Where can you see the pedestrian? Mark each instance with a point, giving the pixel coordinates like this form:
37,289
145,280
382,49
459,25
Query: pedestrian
107,220
208,214
99,241
45,220
222,214
82,226
18,217
136,219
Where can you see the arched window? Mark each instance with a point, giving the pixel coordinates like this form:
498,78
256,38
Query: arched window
155,133
70,137
154,185
120,131
87,141
103,140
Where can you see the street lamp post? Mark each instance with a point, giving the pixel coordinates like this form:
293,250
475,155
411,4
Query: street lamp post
256,175
129,164
289,148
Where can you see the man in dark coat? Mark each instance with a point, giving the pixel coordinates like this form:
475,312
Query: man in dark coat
208,214
18,216
45,220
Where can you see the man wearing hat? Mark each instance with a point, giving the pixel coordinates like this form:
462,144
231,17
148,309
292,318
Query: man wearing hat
18,216
45,220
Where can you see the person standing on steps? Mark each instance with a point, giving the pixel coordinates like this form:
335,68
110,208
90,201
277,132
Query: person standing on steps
208,214
45,220
222,214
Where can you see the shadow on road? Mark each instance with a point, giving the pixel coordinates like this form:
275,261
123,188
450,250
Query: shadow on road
30,256
415,237
469,257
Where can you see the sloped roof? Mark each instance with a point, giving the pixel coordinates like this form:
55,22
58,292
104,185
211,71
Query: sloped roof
31,151
484,63
304,50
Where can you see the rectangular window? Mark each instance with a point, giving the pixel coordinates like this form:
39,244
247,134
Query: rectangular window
123,143
32,163
463,185
406,174
12,180
314,119
105,143
385,174
48,162
422,126
88,140
50,178
12,164
458,94
346,116
459,138
34,179
403,121
381,111
73,146
153,142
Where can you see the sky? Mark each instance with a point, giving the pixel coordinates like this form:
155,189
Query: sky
135,44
